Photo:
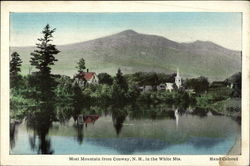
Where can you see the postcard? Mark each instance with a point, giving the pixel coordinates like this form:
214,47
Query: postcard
125,83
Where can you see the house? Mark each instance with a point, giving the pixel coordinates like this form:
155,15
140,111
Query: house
146,88
91,77
161,87
218,84
85,77
169,86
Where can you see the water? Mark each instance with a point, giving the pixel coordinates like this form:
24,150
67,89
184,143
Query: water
143,132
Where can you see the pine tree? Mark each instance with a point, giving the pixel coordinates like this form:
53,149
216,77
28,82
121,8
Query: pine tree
81,65
121,81
43,57
15,64
15,68
119,87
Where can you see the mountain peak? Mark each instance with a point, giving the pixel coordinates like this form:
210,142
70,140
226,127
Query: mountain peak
128,32
204,42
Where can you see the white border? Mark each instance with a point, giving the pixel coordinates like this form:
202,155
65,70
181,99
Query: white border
119,6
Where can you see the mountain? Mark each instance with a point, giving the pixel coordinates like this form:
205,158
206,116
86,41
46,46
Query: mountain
132,52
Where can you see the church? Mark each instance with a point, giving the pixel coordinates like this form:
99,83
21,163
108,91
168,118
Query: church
178,82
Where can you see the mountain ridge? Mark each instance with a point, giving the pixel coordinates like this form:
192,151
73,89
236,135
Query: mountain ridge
133,51
132,32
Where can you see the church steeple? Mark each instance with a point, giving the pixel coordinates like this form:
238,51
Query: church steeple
177,75
178,79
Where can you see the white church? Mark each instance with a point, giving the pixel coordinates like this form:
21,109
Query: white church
178,82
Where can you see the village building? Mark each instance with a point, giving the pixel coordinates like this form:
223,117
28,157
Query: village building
169,86
84,78
161,87
146,88
218,84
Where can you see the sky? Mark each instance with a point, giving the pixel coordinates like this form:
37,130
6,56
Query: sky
221,28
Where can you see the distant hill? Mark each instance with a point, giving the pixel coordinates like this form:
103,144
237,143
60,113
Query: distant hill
132,52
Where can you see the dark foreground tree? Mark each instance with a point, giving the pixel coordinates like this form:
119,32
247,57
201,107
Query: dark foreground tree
43,58
15,68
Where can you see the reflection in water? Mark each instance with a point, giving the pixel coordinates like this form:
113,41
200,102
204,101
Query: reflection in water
40,122
149,130
118,117
131,145
205,142
201,113
13,133
80,134
32,141
90,119
176,114
87,119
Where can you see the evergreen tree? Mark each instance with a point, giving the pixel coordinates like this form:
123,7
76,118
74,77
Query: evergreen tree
119,87
81,65
15,64
43,57
121,81
15,68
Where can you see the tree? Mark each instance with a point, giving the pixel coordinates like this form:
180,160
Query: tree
235,82
119,87
81,65
199,84
105,78
121,81
15,65
43,57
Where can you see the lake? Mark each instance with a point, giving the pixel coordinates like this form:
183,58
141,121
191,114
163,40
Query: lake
168,131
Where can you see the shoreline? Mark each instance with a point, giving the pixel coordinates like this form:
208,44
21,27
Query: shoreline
236,148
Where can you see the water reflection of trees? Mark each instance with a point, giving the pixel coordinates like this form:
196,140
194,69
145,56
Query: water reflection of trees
160,111
13,133
79,132
119,115
120,112
39,120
